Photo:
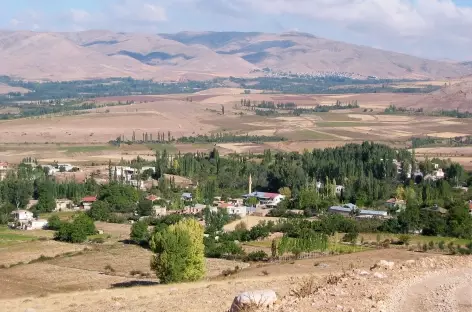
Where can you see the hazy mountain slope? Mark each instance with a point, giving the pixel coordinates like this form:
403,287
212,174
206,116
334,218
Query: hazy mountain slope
49,56
190,55
169,55
299,52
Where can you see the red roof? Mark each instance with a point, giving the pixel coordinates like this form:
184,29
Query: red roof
152,197
470,205
271,195
89,199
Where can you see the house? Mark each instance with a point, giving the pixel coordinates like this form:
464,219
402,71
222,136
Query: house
159,211
437,209
395,204
339,189
22,216
196,209
51,170
38,224
436,175
65,167
363,213
136,183
470,207
351,209
24,220
153,197
64,204
267,199
86,202
3,170
187,196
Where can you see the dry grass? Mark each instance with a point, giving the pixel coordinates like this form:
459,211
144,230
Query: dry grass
250,222
27,251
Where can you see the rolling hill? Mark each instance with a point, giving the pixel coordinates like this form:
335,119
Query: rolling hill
189,55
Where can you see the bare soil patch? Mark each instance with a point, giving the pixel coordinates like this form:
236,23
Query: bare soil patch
447,135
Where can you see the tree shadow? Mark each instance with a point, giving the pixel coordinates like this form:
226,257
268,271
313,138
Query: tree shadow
134,284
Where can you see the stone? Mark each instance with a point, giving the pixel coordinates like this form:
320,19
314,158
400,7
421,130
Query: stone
258,298
379,275
384,264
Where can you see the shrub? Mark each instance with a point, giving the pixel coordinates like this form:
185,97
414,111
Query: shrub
351,237
257,256
307,288
179,252
451,248
425,247
404,239
431,245
229,272
54,223
109,269
139,233
441,245
76,231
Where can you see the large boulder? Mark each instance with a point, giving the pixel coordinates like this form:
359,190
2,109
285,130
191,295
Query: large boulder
256,298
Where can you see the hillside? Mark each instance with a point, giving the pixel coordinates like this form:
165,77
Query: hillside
101,54
456,95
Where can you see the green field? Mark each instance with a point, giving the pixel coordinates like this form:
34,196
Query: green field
63,215
87,149
9,237
308,135
414,239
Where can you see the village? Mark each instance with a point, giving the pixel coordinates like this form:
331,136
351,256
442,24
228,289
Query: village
253,203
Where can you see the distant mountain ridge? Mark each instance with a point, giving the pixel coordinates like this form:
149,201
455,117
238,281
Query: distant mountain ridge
201,55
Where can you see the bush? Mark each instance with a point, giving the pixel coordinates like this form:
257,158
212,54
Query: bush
54,223
351,237
431,245
100,211
441,245
257,256
76,231
404,239
179,252
139,233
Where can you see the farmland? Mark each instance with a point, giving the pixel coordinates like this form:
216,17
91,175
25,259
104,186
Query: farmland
52,137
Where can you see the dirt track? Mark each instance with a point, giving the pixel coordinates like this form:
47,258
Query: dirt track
447,291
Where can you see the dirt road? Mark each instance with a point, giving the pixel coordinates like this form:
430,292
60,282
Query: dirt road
445,291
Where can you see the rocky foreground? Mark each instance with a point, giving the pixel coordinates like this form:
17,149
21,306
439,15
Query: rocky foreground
435,283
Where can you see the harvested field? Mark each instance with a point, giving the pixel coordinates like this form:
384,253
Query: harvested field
4,89
241,147
447,135
27,251
363,117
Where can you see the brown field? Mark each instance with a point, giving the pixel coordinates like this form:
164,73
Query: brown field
215,295
55,138
4,89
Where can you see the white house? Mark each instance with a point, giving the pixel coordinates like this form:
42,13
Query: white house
268,199
339,189
38,224
22,216
67,167
64,204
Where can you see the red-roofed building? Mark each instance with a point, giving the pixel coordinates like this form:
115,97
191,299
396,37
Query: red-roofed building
86,202
470,207
153,197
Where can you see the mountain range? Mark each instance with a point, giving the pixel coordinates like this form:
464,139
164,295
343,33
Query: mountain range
201,55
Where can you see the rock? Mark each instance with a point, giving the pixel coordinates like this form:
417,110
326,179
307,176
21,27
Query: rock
100,232
384,264
258,298
363,273
340,307
30,310
379,275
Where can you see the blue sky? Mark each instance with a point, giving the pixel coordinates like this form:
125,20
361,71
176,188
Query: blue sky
436,29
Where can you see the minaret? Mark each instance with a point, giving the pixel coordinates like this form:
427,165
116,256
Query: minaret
250,184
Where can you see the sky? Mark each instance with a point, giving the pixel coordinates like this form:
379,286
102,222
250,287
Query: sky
435,29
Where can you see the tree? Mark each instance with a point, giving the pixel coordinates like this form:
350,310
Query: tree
179,252
145,208
100,211
286,192
54,223
139,233
77,230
